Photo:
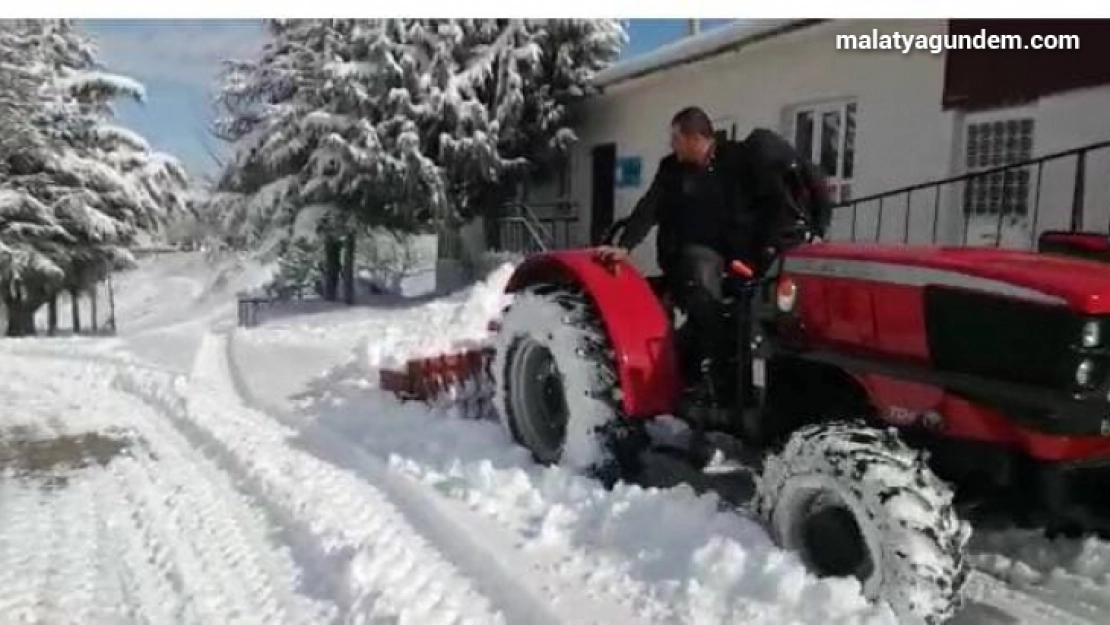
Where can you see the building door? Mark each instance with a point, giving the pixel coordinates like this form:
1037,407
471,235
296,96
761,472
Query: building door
996,207
603,185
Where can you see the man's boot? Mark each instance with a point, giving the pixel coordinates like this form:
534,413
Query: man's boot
701,408
702,404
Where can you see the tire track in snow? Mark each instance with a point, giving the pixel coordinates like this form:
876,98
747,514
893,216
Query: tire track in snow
47,559
359,546
219,563
71,591
482,548
151,592
81,353
1069,572
155,536
1018,604
25,521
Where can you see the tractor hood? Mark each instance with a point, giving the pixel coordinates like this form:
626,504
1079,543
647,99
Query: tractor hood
1082,285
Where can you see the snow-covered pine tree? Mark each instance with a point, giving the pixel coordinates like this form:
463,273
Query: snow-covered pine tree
511,94
403,124
93,200
262,105
87,187
479,103
32,242
370,156
156,185
19,83
572,51
383,117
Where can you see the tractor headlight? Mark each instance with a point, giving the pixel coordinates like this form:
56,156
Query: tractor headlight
1084,373
1092,334
786,295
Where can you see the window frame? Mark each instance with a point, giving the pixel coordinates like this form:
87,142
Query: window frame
725,126
839,184
985,119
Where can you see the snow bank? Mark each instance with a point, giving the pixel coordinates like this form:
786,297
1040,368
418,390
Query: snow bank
395,329
466,326
672,555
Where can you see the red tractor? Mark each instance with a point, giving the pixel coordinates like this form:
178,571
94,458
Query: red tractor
887,389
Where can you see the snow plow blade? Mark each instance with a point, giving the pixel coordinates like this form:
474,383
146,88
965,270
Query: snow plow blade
460,380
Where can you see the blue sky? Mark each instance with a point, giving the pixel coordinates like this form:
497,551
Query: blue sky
177,61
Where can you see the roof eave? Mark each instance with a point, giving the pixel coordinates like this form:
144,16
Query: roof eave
697,48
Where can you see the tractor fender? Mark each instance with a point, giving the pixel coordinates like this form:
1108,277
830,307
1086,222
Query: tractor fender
635,321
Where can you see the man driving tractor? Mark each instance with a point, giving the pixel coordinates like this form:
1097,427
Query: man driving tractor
716,202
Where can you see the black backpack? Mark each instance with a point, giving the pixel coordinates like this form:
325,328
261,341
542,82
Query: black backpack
787,185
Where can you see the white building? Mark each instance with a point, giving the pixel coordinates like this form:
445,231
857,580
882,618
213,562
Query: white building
877,120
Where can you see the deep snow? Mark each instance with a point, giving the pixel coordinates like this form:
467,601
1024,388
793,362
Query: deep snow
267,479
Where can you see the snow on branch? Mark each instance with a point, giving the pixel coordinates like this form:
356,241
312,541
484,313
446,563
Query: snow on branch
94,82
110,133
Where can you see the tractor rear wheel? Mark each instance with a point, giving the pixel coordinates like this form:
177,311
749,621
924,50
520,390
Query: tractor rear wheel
855,501
557,391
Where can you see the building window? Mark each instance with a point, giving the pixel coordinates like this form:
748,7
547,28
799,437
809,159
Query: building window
997,143
826,134
724,130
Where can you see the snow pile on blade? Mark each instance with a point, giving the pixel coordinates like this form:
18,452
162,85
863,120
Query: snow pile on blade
456,375
461,379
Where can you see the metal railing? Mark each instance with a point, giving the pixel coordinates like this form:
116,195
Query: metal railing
522,231
918,213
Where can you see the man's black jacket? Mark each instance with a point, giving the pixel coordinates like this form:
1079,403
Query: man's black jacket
750,192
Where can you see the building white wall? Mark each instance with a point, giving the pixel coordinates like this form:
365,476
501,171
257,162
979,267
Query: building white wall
902,136
1062,122
1067,121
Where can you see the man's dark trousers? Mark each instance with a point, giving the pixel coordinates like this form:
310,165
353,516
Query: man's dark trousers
697,284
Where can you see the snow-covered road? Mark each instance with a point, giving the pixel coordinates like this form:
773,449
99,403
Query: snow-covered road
192,474
207,512
201,509
148,530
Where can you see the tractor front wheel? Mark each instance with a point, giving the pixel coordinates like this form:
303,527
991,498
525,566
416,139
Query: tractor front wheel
556,385
855,501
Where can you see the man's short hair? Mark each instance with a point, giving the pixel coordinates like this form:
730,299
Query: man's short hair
692,120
